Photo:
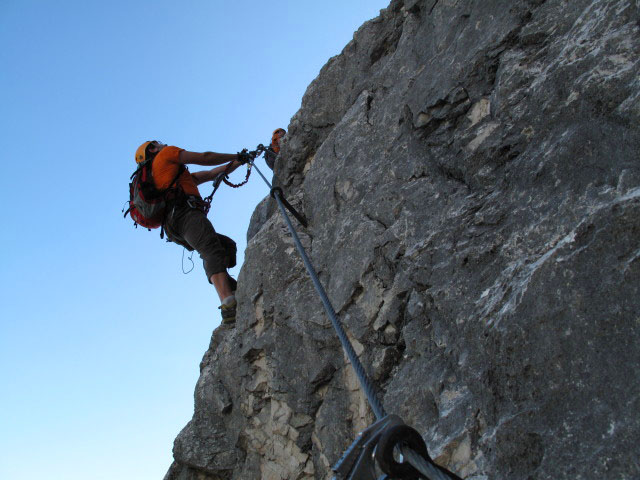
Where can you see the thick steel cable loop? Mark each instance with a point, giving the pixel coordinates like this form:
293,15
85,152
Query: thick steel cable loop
419,463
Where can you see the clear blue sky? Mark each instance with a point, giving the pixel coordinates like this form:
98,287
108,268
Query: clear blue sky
101,334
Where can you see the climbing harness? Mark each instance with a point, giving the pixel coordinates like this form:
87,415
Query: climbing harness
376,447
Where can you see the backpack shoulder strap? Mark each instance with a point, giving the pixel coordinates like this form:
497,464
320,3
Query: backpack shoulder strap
181,170
148,164
145,164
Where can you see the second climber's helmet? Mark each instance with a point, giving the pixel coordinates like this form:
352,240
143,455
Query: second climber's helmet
275,139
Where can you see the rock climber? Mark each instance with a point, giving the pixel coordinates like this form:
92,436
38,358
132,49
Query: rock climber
186,222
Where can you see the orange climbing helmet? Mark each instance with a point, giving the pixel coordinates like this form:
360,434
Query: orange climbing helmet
142,154
278,133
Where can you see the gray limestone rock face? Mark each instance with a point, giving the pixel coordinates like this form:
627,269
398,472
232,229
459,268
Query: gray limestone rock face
471,176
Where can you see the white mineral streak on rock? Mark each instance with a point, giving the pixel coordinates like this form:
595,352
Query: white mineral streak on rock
505,295
484,132
512,284
572,98
479,111
449,400
259,312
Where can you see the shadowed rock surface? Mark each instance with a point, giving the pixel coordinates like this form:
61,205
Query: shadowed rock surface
471,176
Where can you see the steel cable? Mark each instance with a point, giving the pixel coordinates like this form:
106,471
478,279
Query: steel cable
367,387
428,470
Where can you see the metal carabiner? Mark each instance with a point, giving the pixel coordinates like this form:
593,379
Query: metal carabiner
191,203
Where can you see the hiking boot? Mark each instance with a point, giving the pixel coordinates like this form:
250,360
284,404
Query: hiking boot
228,313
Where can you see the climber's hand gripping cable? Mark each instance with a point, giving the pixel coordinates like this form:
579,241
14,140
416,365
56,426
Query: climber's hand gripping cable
244,156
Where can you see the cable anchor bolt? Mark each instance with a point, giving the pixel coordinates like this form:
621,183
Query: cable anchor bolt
373,453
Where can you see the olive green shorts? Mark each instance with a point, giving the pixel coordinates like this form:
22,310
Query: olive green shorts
192,229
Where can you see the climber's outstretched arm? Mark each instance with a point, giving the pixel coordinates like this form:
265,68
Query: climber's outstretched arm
208,175
206,159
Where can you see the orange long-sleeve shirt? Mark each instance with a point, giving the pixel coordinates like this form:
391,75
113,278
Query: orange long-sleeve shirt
165,168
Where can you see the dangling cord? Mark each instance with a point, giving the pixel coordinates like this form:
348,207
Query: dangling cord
190,257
